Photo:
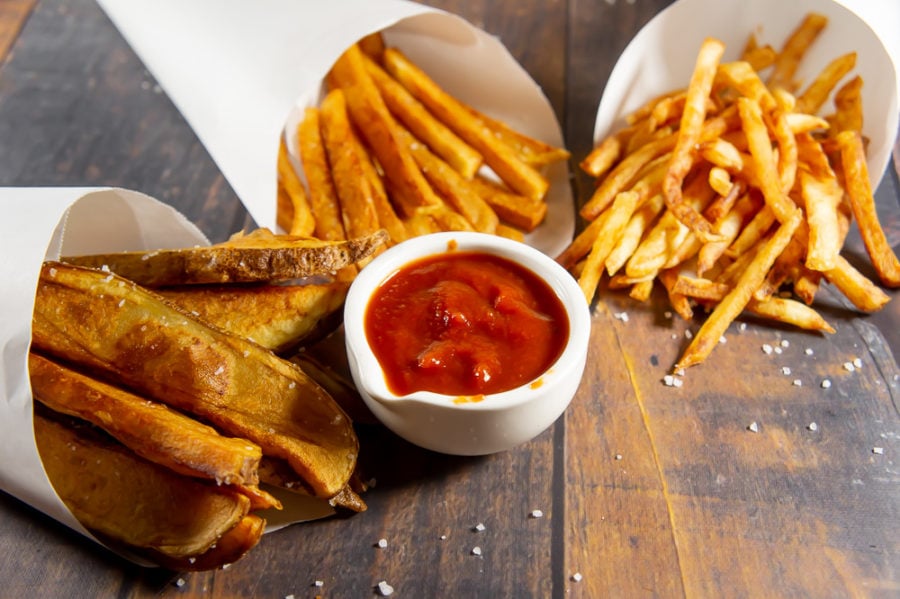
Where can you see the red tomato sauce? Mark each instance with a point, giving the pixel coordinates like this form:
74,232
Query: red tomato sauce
464,323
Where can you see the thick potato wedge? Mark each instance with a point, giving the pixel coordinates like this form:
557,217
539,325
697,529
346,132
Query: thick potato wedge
249,259
110,325
115,493
152,430
278,317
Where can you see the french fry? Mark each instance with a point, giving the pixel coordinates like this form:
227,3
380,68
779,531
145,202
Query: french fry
354,189
689,134
515,210
453,187
812,99
432,132
323,198
299,220
787,184
849,113
614,222
518,175
795,47
856,177
734,303
379,129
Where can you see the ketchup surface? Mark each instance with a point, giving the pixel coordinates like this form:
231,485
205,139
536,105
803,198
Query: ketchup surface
464,323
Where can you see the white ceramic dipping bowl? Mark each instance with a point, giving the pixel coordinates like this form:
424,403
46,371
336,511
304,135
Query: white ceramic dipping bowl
501,420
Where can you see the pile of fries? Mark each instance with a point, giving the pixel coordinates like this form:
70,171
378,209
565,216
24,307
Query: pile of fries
735,195
161,403
388,148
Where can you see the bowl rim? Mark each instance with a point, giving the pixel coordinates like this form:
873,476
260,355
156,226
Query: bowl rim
570,362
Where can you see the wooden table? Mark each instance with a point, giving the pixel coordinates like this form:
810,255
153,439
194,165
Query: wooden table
646,490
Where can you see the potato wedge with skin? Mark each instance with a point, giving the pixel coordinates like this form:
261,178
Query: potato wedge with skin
278,317
152,430
108,324
112,491
228,549
250,259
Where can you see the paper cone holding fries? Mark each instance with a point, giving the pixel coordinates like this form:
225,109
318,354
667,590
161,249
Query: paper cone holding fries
251,73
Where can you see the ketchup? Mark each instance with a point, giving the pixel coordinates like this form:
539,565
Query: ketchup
464,323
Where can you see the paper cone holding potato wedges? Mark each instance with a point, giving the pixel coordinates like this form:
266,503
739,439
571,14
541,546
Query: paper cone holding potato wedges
140,363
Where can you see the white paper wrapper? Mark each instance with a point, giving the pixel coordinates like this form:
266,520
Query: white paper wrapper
50,222
241,72
46,223
662,56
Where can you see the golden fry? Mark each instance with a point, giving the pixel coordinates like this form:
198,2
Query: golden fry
856,177
518,175
323,197
795,47
298,220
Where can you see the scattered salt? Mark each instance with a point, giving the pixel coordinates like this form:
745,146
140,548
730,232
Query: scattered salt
849,367
688,334
382,543
479,527
785,370
623,316
808,351
797,383
857,362
878,450
825,384
476,551
576,577
785,343
767,349
384,589
753,428
536,514
813,426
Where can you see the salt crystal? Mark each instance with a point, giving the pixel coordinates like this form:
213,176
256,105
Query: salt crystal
797,383
536,514
742,327
319,583
623,316
753,428
722,339
767,349
785,343
688,334
777,350
857,362
476,551
479,527
576,577
382,543
180,582
384,589
825,384
808,351
785,370
813,426
878,450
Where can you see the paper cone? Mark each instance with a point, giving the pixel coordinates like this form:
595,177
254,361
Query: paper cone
241,73
661,57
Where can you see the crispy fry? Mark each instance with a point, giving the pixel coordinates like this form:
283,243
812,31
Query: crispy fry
811,100
518,175
821,198
795,47
299,219
513,209
254,258
322,193
864,294
453,187
640,222
432,132
689,134
614,221
736,300
856,177
379,129
144,343
354,188
848,102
